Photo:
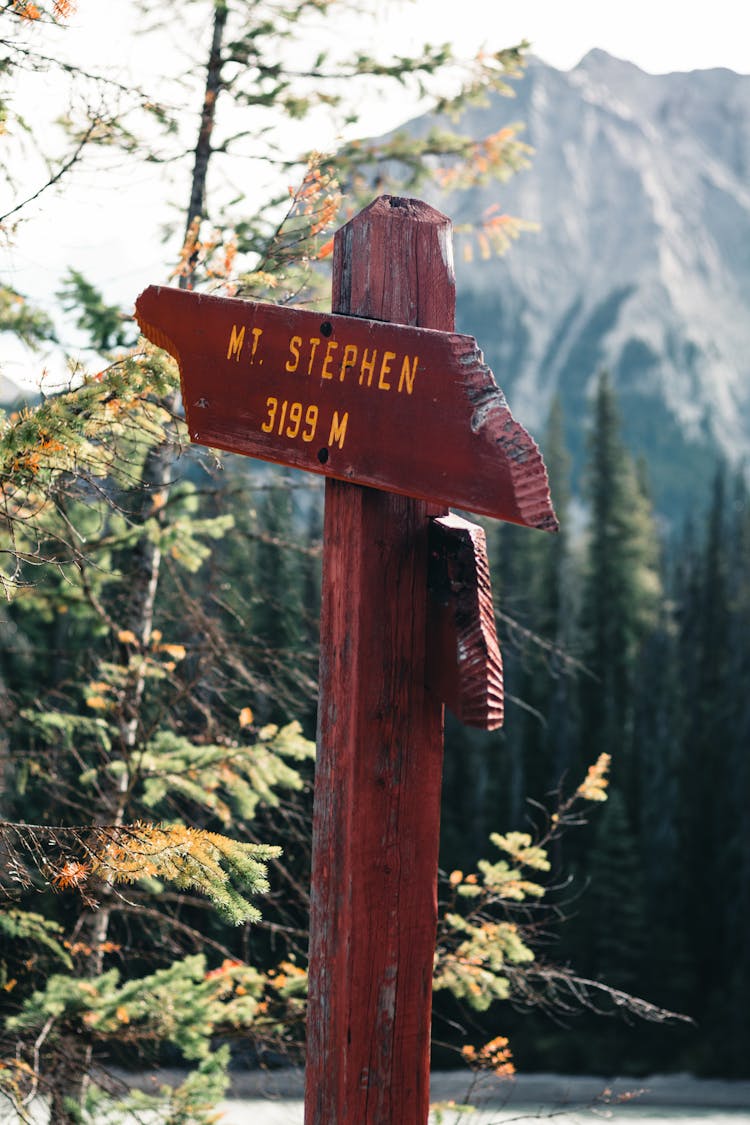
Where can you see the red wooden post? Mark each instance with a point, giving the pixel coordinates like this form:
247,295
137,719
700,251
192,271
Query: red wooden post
380,745
411,410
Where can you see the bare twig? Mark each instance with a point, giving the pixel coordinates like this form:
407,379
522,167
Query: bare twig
65,167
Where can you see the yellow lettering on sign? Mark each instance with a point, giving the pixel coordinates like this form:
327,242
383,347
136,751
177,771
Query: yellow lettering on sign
314,341
326,373
294,346
292,420
257,333
338,429
295,418
349,360
336,361
407,375
236,340
385,369
368,365
271,406
311,423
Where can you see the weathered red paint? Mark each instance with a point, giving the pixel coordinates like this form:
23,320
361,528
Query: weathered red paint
404,409
465,668
380,739
406,617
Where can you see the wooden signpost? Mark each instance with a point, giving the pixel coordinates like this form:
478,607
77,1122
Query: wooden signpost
404,418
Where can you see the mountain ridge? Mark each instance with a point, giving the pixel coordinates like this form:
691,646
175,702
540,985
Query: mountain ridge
641,264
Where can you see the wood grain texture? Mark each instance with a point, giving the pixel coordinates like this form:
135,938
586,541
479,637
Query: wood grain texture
380,739
465,668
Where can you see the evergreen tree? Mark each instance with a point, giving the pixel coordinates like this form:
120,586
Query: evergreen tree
620,593
279,614
614,907
535,591
560,586
708,783
550,667
736,825
659,727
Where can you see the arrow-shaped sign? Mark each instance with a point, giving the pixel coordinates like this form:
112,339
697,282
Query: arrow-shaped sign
407,410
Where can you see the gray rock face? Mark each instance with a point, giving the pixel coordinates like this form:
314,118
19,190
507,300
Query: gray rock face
641,187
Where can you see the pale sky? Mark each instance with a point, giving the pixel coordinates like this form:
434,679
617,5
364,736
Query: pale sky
119,249
657,35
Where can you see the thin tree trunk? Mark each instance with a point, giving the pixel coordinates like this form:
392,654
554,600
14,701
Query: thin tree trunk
156,484
157,474
204,147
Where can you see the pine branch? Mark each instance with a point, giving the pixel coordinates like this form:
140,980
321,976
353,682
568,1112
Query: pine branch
564,992
188,857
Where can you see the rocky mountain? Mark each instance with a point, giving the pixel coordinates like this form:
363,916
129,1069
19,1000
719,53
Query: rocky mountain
641,265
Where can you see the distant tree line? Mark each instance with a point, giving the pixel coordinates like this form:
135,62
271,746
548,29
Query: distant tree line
618,639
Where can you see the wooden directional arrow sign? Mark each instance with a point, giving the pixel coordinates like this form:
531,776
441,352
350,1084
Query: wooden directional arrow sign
407,410
407,620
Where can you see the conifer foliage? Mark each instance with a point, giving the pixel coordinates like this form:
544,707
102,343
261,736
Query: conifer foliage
643,658
152,607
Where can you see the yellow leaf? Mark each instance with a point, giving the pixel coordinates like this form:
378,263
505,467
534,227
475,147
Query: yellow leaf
594,785
455,878
127,637
122,1014
177,652
246,716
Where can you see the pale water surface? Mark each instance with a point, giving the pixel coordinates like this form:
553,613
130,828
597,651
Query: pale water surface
291,1112
258,1112
275,1098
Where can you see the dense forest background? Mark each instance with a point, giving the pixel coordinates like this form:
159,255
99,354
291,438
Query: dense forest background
621,639
614,641
158,681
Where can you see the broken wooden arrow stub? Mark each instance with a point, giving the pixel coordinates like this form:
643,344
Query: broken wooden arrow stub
464,665
407,410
